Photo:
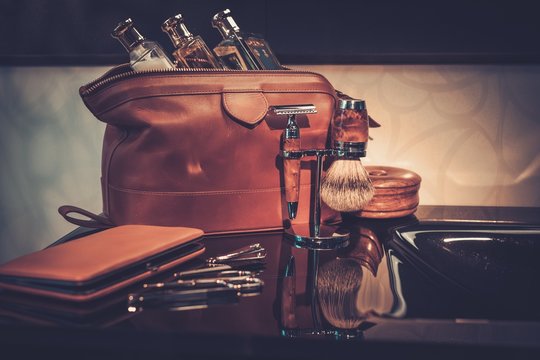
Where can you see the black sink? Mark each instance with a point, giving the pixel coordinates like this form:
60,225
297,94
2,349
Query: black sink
485,270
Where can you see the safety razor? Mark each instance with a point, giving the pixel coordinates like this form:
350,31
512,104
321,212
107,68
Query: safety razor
290,146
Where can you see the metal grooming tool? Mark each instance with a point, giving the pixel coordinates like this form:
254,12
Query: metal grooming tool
291,142
190,283
203,272
195,294
213,274
246,254
182,300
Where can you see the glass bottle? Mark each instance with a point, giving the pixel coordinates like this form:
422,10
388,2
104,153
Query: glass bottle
240,50
143,54
191,51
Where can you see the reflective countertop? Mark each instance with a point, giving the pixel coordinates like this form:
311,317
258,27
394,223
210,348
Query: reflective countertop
393,290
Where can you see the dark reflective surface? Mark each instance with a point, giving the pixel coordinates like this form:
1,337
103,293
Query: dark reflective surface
494,267
416,284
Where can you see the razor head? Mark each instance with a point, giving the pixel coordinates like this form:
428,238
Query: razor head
293,109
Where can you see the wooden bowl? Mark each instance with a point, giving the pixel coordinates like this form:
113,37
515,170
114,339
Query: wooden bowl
396,193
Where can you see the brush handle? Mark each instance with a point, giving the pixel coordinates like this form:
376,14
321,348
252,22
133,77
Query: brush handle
350,123
291,169
350,126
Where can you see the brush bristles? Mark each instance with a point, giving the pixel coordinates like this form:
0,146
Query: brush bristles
338,285
346,186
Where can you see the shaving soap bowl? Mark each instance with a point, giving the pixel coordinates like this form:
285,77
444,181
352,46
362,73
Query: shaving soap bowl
396,193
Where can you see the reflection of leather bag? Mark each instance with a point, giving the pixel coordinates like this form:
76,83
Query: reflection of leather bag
101,263
196,148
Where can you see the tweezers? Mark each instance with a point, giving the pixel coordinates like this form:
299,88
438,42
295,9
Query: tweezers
250,253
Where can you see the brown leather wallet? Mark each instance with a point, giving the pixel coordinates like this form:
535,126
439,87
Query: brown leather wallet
101,263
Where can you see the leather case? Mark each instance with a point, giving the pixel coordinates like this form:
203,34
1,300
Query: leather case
197,148
101,263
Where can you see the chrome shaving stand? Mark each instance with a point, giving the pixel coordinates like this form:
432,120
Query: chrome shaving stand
316,236
313,236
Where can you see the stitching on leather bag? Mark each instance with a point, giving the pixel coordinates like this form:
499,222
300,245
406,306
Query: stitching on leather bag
187,93
201,193
228,76
125,135
258,118
265,110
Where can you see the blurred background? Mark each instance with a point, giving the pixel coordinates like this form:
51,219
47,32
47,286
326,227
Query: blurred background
454,85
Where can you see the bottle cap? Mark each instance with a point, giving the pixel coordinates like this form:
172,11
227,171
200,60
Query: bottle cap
177,30
224,22
351,104
126,33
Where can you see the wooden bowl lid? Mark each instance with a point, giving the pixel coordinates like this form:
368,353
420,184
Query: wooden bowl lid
388,177
396,192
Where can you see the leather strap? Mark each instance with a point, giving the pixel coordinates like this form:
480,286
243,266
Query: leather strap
95,221
248,108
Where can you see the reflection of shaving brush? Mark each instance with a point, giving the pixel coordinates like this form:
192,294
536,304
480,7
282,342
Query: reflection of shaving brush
346,186
364,247
338,285
349,293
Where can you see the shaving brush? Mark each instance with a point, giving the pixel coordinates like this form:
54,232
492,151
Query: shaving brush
346,186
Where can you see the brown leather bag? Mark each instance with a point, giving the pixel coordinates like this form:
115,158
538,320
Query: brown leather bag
198,149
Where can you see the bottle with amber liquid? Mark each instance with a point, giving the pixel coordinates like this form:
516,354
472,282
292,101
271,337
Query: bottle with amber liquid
191,51
242,51
144,54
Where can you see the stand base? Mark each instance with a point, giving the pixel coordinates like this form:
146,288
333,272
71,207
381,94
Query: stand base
329,237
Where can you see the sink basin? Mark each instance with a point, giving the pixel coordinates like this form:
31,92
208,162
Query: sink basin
491,270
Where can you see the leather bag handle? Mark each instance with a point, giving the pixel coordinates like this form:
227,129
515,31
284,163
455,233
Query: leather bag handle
95,221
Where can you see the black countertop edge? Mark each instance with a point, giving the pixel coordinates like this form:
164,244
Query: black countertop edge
503,214
300,59
25,342
507,214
